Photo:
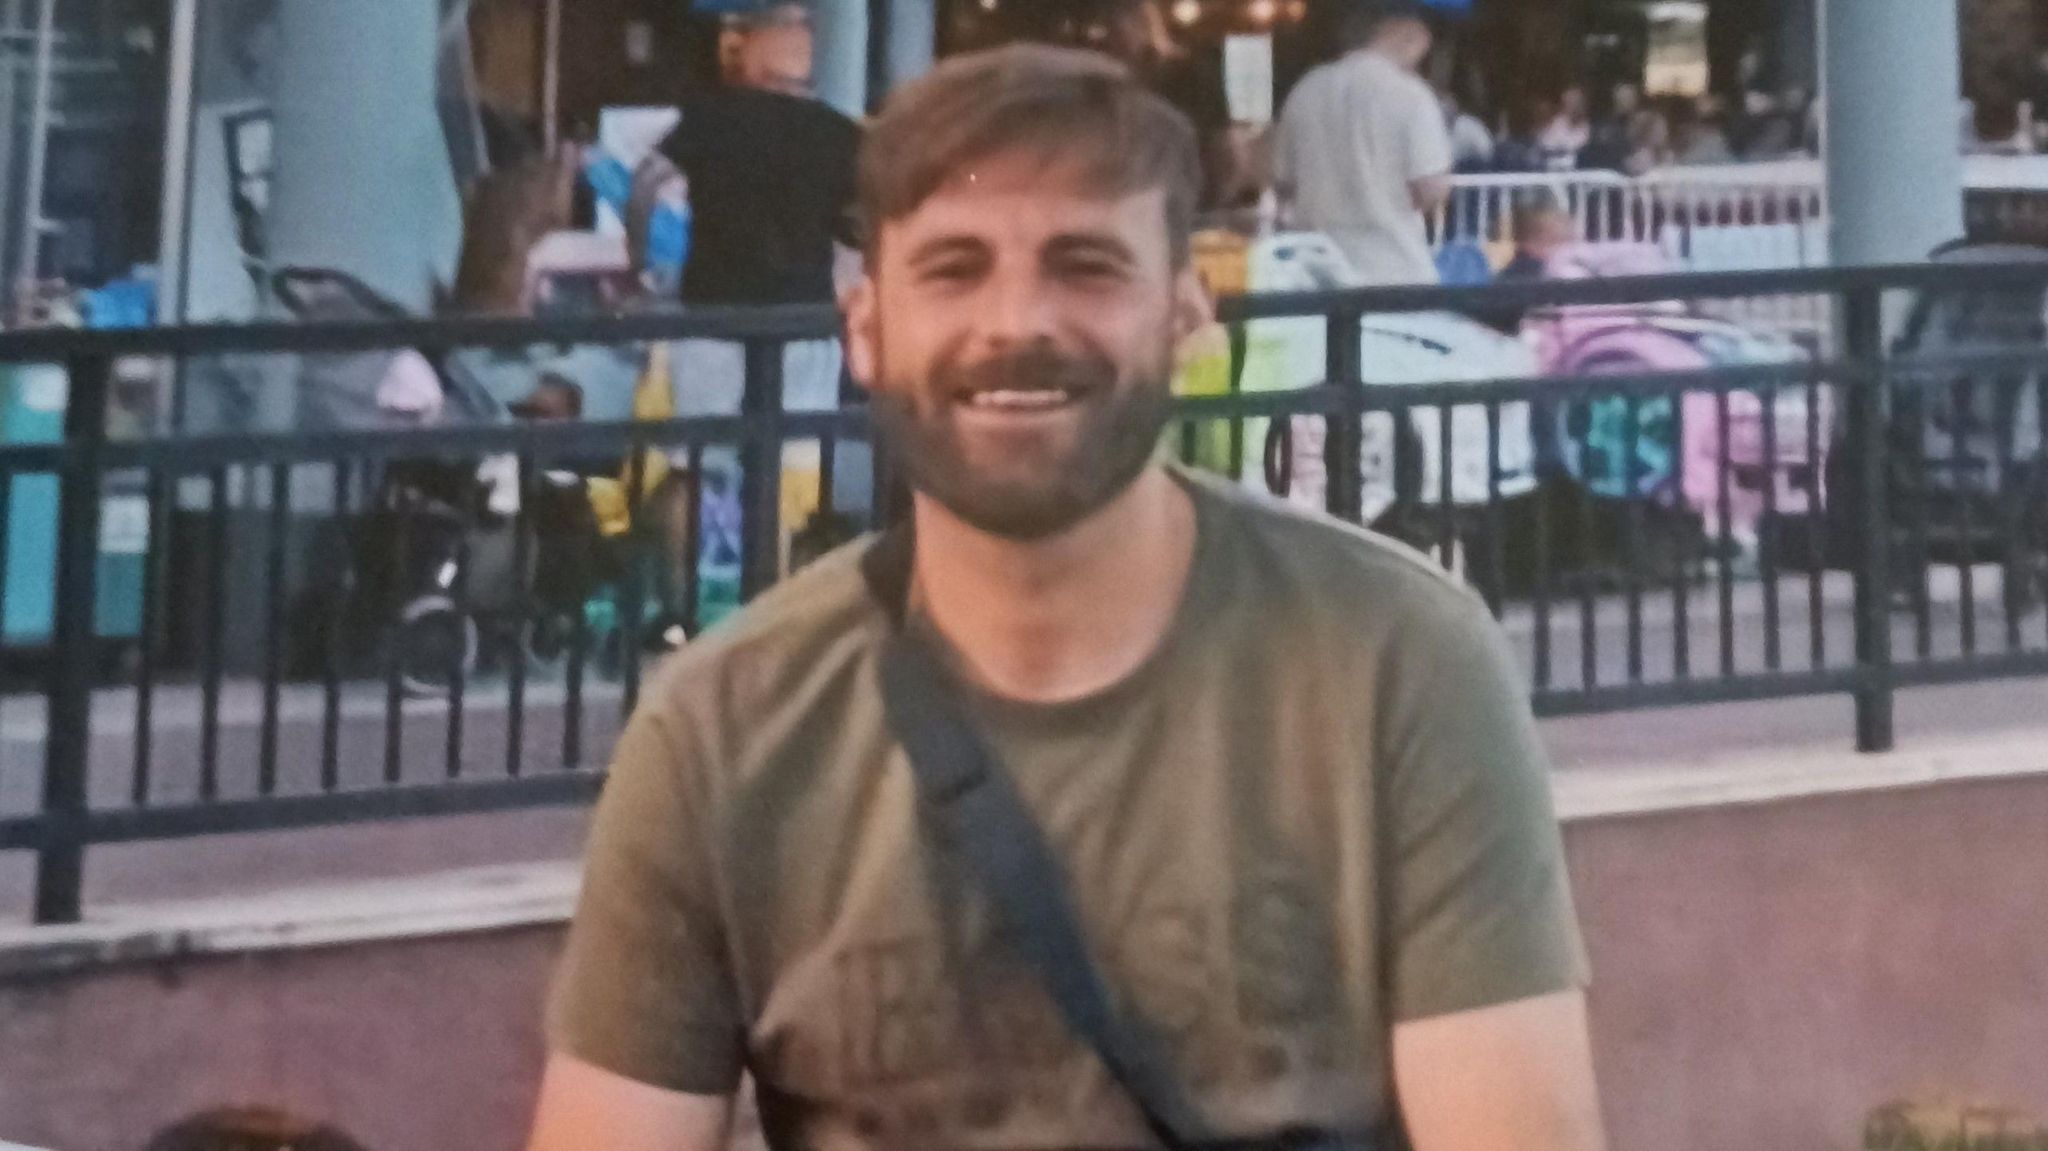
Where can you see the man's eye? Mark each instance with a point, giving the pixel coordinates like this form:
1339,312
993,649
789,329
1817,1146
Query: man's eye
953,272
1091,271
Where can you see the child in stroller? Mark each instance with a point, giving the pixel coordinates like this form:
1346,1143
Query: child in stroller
430,587
585,546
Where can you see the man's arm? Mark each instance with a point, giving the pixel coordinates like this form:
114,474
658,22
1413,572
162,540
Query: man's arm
1490,1049
1430,192
583,1106
644,1030
1430,158
1537,1090
1281,161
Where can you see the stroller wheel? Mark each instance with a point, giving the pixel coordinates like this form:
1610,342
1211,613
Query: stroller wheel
434,644
546,640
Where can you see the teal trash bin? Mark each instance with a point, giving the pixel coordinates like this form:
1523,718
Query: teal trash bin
32,402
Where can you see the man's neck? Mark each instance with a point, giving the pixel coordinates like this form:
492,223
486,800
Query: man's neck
1061,618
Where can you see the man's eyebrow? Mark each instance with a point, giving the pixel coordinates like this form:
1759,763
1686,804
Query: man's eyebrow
1091,244
944,246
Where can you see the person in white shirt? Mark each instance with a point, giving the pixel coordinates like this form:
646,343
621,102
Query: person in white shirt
1568,132
1471,143
1362,153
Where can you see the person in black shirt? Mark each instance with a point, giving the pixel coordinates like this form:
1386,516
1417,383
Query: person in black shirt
771,188
771,172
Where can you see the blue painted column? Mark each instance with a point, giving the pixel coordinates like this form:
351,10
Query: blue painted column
1892,76
840,68
362,180
913,38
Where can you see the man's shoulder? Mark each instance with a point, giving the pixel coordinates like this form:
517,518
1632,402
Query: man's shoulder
813,627
746,113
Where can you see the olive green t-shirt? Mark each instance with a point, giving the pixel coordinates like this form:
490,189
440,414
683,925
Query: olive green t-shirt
1319,809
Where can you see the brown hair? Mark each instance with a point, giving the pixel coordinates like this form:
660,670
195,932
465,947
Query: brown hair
1058,105
506,214
1531,215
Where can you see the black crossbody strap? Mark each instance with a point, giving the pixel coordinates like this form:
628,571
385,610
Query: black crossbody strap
971,803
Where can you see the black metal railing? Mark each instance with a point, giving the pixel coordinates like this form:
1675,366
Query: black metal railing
276,628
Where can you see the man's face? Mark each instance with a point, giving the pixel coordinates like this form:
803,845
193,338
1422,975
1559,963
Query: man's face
775,57
1554,233
1017,337
1412,41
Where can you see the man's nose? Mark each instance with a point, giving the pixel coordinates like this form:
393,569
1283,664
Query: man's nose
1017,310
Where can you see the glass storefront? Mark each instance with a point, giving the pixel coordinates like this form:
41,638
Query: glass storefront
82,86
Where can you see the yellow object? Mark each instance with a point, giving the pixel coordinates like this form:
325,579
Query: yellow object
653,402
1223,260
1204,371
802,486
608,503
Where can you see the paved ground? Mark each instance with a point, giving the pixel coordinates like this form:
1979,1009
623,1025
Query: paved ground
249,862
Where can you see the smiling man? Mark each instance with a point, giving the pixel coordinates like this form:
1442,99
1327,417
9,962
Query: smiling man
1284,767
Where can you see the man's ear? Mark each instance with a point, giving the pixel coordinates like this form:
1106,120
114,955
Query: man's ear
1193,310
863,315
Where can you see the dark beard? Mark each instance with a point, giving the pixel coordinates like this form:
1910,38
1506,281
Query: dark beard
1032,498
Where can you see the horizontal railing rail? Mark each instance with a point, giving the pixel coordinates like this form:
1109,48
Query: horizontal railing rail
261,627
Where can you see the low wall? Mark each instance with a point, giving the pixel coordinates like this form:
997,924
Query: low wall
1769,970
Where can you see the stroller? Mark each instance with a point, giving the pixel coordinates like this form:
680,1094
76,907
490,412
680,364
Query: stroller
1670,457
1967,476
431,568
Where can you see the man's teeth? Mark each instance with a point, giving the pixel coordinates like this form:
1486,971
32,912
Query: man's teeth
1019,399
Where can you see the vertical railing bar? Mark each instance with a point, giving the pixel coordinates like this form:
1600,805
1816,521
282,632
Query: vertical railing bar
1725,545
154,556
273,636
1863,331
572,692
1589,578
633,592
1496,554
1963,473
337,630
1915,391
527,619
1632,520
761,450
2011,500
1682,568
1540,674
1816,517
458,670
2037,501
693,530
212,654
1446,505
60,863
396,640
1767,564
1344,371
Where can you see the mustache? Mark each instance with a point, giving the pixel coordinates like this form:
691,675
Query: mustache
1033,369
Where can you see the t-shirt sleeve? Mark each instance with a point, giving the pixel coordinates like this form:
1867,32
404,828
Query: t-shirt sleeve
644,988
1285,173
1480,909
1429,139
